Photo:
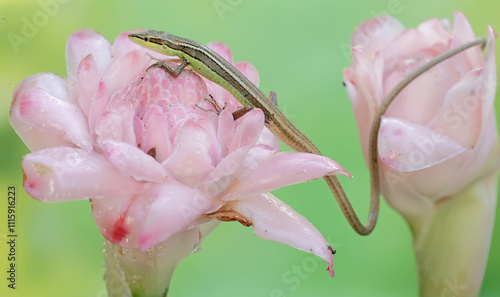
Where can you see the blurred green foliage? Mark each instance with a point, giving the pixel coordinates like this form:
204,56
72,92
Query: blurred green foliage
297,46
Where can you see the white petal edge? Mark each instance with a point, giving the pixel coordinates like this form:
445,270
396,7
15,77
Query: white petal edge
284,169
66,173
407,147
132,161
55,116
82,43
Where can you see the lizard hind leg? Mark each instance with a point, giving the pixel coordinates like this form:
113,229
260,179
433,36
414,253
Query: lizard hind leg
174,72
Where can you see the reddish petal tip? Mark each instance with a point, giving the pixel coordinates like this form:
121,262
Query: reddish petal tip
346,173
330,271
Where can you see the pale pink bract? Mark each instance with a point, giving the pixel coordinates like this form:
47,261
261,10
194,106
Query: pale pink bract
152,153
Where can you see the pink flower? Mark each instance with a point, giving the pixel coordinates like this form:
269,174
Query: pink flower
439,135
153,152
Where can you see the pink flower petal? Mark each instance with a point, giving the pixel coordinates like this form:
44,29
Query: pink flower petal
479,161
284,169
248,129
127,112
131,161
178,116
414,192
376,34
119,218
87,83
364,86
368,75
488,85
108,127
83,43
469,104
97,108
461,33
224,175
434,31
406,147
122,44
156,134
35,138
273,220
249,71
409,42
362,101
192,156
54,116
138,126
174,207
431,87
126,69
65,173
460,115
256,155
225,131
222,49
49,82
269,139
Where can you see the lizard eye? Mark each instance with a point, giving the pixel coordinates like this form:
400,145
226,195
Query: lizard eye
146,39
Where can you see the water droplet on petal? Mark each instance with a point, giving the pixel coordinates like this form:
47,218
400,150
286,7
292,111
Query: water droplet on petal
196,248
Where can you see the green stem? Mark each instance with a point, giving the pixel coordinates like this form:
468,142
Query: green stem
133,273
452,242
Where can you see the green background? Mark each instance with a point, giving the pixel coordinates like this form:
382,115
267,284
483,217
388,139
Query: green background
297,48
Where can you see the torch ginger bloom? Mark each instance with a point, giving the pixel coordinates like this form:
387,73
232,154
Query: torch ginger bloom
438,141
442,126
156,154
